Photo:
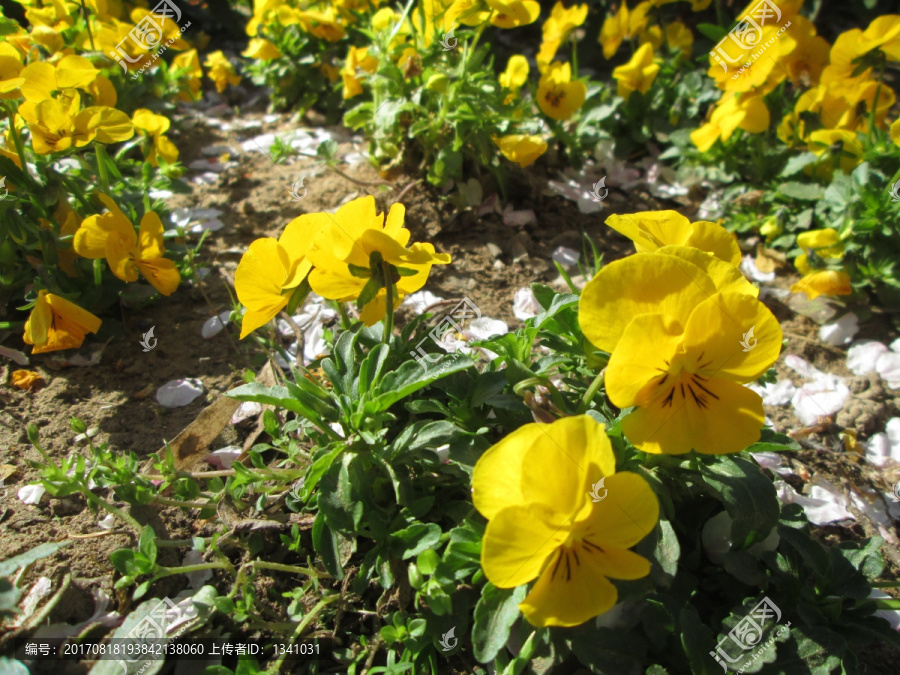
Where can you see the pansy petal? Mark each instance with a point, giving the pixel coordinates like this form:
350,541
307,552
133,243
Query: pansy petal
626,515
728,423
150,237
649,230
644,283
642,357
715,239
738,336
162,274
517,542
569,592
260,275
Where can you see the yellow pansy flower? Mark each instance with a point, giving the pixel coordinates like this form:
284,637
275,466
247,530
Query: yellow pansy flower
638,74
10,72
262,49
680,38
513,13
557,29
625,24
884,34
557,96
154,128
895,132
55,323
112,236
220,71
515,75
675,325
56,124
42,79
802,53
433,19
836,144
652,230
468,13
732,112
271,269
824,282
186,67
534,487
358,58
358,250
522,149
323,24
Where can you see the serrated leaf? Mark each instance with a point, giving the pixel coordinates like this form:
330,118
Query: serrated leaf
8,567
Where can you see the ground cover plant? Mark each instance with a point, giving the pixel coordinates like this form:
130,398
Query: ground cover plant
366,477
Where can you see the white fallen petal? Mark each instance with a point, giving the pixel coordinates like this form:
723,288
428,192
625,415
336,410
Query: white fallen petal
525,305
262,143
420,300
861,357
179,393
107,523
895,345
802,367
840,332
485,327
213,225
31,494
573,191
160,194
224,457
778,393
314,344
205,178
14,355
245,411
883,449
518,218
567,257
443,452
752,272
772,461
214,325
198,578
218,150
819,398
821,506
888,366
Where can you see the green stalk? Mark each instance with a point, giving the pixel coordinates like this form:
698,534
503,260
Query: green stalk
389,308
275,666
187,569
591,391
88,24
290,569
11,325
118,513
100,154
345,320
17,141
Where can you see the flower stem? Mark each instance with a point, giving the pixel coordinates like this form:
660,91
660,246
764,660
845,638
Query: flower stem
101,156
17,141
591,391
290,569
118,513
389,304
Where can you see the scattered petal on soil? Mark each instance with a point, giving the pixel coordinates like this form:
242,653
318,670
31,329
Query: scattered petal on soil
107,523
752,272
822,506
214,325
525,305
778,393
179,393
888,366
567,257
14,355
224,457
31,494
25,379
485,327
200,577
840,332
817,399
884,448
574,191
247,410
518,218
420,301
862,356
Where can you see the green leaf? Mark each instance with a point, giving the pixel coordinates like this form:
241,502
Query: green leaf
360,271
326,545
495,614
797,163
696,639
147,543
748,496
417,538
8,567
803,191
368,293
412,376
712,31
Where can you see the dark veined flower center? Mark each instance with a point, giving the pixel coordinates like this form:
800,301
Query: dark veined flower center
688,384
568,558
